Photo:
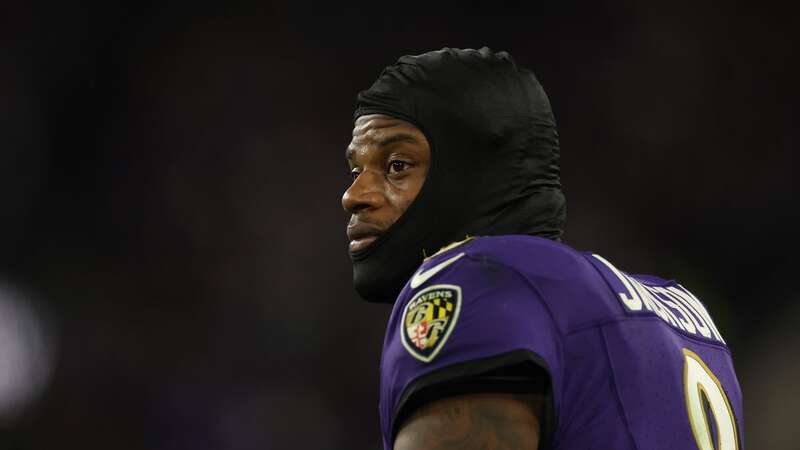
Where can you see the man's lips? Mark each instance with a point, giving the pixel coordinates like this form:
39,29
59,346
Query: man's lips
361,243
361,235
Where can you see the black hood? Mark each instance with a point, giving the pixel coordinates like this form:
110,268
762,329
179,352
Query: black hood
494,159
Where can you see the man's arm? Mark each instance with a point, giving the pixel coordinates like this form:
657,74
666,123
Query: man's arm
491,421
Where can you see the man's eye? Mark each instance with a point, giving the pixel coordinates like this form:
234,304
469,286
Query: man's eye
397,166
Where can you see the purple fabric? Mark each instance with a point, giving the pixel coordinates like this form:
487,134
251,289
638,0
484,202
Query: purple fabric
617,373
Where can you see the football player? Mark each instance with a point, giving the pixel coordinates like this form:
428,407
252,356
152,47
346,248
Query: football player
501,336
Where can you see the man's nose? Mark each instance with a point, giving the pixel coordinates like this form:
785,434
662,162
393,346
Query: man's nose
365,193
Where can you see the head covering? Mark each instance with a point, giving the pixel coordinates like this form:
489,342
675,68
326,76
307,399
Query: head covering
494,159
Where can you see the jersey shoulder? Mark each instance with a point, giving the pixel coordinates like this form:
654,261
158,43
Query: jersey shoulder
564,278
530,255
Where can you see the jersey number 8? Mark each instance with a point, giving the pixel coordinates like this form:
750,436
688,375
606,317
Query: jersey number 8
705,397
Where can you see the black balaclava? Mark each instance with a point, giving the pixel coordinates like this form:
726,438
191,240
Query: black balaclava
494,159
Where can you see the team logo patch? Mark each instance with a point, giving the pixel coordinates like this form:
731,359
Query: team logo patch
429,319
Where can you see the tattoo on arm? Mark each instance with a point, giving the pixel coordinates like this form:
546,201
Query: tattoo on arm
474,422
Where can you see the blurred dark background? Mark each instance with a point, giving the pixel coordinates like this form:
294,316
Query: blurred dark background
173,267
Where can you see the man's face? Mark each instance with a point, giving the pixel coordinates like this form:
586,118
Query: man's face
389,159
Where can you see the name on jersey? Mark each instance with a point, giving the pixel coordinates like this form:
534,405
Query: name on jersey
675,305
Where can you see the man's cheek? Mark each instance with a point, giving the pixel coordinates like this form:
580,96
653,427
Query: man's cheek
406,203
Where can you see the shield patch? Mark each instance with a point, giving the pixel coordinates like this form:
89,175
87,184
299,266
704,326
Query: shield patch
429,319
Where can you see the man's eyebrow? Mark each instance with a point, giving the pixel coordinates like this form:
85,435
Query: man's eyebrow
399,137
385,142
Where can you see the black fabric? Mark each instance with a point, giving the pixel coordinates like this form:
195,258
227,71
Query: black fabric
494,159
517,372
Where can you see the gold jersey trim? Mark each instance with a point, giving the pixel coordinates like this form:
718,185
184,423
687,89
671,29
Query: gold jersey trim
451,246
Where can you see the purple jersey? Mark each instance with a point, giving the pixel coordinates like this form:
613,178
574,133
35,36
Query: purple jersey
634,361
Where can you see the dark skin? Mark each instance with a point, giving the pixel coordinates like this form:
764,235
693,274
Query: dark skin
490,421
389,160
